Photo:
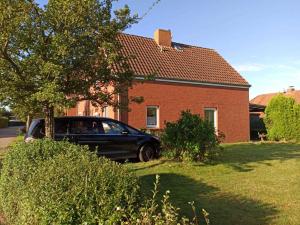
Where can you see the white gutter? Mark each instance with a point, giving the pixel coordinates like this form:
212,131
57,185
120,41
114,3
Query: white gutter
196,83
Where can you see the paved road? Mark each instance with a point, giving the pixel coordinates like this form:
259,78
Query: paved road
8,135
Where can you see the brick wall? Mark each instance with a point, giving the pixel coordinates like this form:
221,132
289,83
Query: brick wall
232,106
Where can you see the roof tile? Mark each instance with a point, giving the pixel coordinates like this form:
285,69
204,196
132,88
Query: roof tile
264,99
180,62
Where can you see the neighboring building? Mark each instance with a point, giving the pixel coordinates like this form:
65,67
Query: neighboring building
257,125
187,77
257,109
264,99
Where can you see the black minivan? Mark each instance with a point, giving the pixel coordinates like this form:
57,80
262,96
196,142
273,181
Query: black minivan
110,138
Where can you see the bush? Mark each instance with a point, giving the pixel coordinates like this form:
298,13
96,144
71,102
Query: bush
282,119
46,182
3,122
190,138
165,213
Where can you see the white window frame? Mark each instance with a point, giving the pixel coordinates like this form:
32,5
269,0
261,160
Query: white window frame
157,116
105,112
215,116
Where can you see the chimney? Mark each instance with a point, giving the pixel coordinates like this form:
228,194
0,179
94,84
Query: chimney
290,89
163,37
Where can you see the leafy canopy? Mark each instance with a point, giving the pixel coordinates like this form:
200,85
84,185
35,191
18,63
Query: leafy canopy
64,52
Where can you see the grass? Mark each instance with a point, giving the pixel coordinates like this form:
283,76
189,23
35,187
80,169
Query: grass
249,184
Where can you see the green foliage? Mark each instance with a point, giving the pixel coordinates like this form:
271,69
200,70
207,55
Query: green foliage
164,213
282,119
3,122
4,112
56,55
46,182
190,138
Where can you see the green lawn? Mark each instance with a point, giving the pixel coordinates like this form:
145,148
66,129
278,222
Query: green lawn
249,184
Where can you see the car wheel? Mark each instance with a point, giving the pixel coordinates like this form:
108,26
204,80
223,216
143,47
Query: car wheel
146,153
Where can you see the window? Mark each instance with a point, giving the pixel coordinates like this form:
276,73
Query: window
111,127
85,127
105,111
210,114
152,116
39,130
61,126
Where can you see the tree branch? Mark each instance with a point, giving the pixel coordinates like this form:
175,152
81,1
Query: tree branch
6,57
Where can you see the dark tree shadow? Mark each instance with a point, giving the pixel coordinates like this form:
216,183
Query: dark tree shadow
152,165
224,208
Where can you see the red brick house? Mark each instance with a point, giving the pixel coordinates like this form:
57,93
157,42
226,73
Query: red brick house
187,77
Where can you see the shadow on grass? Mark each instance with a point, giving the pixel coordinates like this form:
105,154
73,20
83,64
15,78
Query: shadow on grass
240,156
224,208
155,164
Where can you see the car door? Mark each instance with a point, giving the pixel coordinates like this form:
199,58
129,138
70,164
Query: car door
121,144
88,131
61,129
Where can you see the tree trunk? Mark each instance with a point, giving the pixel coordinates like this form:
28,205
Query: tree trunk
49,122
28,122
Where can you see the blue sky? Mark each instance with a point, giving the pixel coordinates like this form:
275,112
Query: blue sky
260,38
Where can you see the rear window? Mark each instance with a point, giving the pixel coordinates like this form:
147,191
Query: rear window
37,129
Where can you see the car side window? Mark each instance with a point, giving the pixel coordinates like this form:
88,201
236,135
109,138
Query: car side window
85,127
61,126
111,127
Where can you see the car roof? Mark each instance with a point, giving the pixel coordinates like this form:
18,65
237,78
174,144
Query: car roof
85,117
77,117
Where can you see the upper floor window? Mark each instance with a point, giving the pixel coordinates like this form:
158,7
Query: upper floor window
152,117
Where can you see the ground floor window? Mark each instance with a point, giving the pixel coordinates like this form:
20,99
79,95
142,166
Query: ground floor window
211,114
105,111
152,116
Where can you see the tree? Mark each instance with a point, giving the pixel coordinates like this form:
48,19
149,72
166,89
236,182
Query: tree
5,112
65,52
282,118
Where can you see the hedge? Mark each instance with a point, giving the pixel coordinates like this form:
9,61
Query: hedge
47,182
282,119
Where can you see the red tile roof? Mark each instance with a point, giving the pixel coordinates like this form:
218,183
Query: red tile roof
264,99
179,62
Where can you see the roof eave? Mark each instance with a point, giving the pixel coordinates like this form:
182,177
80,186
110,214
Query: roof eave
201,83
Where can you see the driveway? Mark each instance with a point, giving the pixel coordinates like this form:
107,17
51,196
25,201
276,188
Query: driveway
8,135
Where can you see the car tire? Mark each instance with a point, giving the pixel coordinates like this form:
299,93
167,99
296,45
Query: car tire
146,153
